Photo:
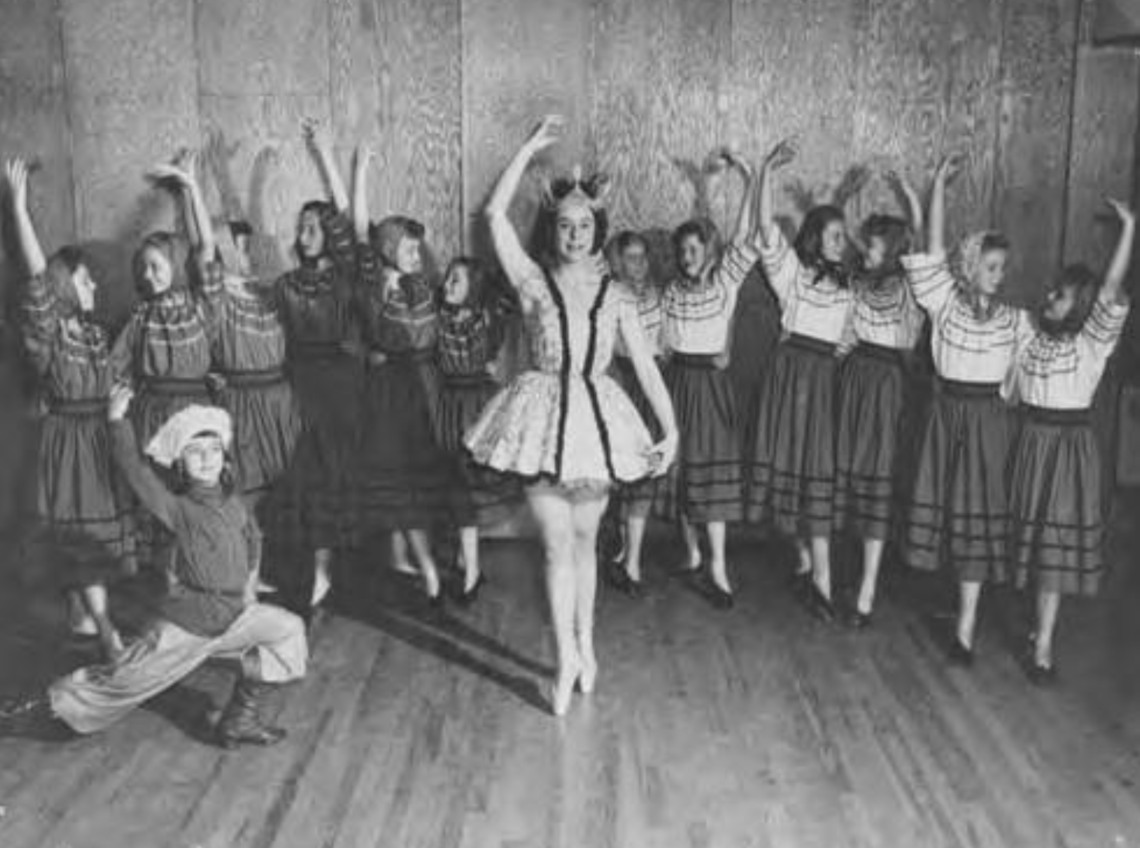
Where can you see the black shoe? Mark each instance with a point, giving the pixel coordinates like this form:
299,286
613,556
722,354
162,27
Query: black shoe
241,722
959,654
619,578
1040,675
718,597
684,571
800,584
819,605
466,598
857,620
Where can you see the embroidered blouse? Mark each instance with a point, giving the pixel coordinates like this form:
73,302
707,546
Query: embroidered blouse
246,334
468,340
696,315
651,314
819,308
886,315
399,312
166,337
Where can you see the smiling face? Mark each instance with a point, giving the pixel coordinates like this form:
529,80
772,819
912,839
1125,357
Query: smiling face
310,235
157,273
574,233
633,263
204,458
457,285
833,241
990,271
692,254
408,257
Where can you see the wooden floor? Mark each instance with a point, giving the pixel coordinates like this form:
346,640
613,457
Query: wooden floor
756,727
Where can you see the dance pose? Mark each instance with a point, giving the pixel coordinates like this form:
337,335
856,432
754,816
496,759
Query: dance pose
1055,489
705,486
80,507
886,323
792,479
959,511
565,426
629,256
210,611
403,470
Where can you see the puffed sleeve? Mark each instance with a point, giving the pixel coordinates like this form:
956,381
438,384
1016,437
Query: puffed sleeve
41,322
782,267
930,279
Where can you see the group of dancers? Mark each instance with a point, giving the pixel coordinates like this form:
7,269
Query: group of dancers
356,395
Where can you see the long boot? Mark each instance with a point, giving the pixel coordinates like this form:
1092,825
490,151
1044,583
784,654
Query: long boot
241,723
30,716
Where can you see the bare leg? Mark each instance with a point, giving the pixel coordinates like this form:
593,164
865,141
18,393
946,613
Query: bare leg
968,595
718,564
79,619
399,551
872,559
1048,605
821,564
95,601
803,550
322,577
634,537
469,548
692,543
420,544
587,515
553,514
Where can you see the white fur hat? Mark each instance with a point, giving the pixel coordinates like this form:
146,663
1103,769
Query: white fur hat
173,436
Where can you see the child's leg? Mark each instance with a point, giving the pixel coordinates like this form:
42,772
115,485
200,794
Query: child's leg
635,524
553,513
821,564
803,551
469,548
692,543
969,592
95,602
586,516
1048,605
872,559
421,546
322,575
79,619
718,563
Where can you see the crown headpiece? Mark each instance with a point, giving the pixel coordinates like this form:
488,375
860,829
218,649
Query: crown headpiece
574,190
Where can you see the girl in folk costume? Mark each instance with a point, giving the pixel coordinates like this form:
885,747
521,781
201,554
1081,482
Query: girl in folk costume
1055,490
248,344
792,480
80,507
313,505
705,487
211,611
403,470
629,255
886,323
959,511
565,426
470,334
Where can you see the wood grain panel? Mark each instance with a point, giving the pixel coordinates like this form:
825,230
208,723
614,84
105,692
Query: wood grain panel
521,60
263,70
928,85
396,85
1033,142
1103,157
132,89
657,106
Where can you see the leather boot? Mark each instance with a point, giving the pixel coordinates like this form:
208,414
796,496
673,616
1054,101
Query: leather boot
241,723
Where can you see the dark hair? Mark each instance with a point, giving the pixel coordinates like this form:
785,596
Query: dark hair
809,244
240,228
171,248
181,482
702,228
385,235
60,267
626,239
547,223
1086,287
325,212
895,234
477,279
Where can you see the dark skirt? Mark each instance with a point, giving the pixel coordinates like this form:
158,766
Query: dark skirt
82,527
267,425
313,504
872,395
704,483
478,495
1055,503
959,510
404,472
792,480
635,498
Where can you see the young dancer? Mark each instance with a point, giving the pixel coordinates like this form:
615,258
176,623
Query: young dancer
470,333
248,342
314,504
404,471
705,486
80,508
565,426
792,480
629,256
886,323
1055,490
959,511
210,611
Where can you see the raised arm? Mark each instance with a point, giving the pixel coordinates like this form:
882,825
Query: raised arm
936,237
913,206
182,173
360,192
519,267
317,138
1113,290
743,232
778,157
17,172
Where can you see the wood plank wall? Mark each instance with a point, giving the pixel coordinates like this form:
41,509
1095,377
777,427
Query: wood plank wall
443,91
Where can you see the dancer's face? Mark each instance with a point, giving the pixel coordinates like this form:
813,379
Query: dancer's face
833,241
310,235
408,259
991,271
634,263
691,256
85,288
204,458
457,286
876,253
574,233
156,270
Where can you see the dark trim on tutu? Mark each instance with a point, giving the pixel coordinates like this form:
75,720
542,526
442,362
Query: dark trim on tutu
563,373
871,401
587,372
958,513
792,479
704,484
1057,517
636,498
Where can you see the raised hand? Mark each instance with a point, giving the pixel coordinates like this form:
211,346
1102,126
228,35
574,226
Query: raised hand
949,167
780,155
316,134
119,402
1123,211
548,132
662,454
17,172
364,155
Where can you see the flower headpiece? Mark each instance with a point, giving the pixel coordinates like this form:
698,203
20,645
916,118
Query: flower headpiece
575,191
